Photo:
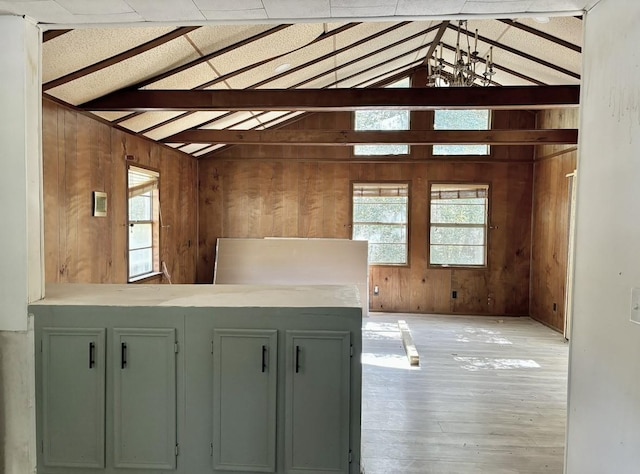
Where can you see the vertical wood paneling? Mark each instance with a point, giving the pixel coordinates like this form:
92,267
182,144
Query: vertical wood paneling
82,155
551,223
316,202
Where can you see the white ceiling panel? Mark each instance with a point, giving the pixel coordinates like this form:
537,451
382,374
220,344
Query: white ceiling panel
90,46
111,116
229,120
209,149
190,121
147,120
194,147
567,28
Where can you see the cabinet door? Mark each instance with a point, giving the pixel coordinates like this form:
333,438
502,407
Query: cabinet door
244,400
317,402
144,385
73,397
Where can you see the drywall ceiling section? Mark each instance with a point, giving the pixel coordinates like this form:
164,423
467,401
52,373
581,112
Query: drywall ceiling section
78,12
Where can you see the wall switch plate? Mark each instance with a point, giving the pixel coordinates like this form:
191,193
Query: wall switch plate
635,305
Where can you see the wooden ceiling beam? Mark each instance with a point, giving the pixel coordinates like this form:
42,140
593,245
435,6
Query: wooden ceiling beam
330,100
51,34
442,28
351,137
154,43
517,52
543,35
287,72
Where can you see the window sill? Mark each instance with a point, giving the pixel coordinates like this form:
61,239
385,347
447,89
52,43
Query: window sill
145,277
458,267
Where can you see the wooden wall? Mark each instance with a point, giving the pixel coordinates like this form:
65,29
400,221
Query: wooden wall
291,191
551,221
82,155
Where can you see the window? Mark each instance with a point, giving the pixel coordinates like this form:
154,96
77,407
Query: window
458,234
380,216
144,225
382,120
461,120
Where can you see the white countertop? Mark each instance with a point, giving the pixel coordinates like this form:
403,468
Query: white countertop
323,296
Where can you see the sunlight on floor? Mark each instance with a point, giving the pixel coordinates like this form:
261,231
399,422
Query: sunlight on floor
478,363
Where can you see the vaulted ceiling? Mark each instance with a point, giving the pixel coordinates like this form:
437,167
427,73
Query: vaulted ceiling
84,64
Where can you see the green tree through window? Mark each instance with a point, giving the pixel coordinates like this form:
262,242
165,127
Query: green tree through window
380,216
461,120
382,120
458,224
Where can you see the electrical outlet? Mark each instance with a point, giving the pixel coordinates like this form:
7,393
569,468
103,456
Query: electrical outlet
454,294
635,305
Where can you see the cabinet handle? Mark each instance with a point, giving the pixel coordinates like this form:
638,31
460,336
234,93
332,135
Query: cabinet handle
92,355
297,359
123,355
264,358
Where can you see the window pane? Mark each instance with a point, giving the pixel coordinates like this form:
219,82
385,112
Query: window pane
396,234
381,149
461,120
458,231
380,217
457,255
388,254
140,208
140,235
383,120
449,212
140,262
387,212
457,235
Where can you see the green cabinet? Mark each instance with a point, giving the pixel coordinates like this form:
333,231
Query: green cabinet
317,402
245,375
144,398
73,397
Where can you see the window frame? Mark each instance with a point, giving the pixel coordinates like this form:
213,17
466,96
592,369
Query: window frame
353,127
487,226
155,225
444,155
408,224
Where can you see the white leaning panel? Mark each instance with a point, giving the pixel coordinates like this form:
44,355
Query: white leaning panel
284,261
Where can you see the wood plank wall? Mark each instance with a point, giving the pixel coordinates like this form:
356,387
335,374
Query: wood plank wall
82,155
551,221
292,191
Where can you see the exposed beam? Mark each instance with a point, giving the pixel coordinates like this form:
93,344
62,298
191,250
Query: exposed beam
329,100
542,34
154,43
434,44
287,72
351,137
503,68
517,52
51,34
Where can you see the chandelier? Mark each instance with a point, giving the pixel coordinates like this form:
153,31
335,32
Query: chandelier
462,73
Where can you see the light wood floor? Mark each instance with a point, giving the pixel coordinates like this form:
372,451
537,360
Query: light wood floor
489,397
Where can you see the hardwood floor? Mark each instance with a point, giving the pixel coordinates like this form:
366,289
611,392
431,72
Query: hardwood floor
489,397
